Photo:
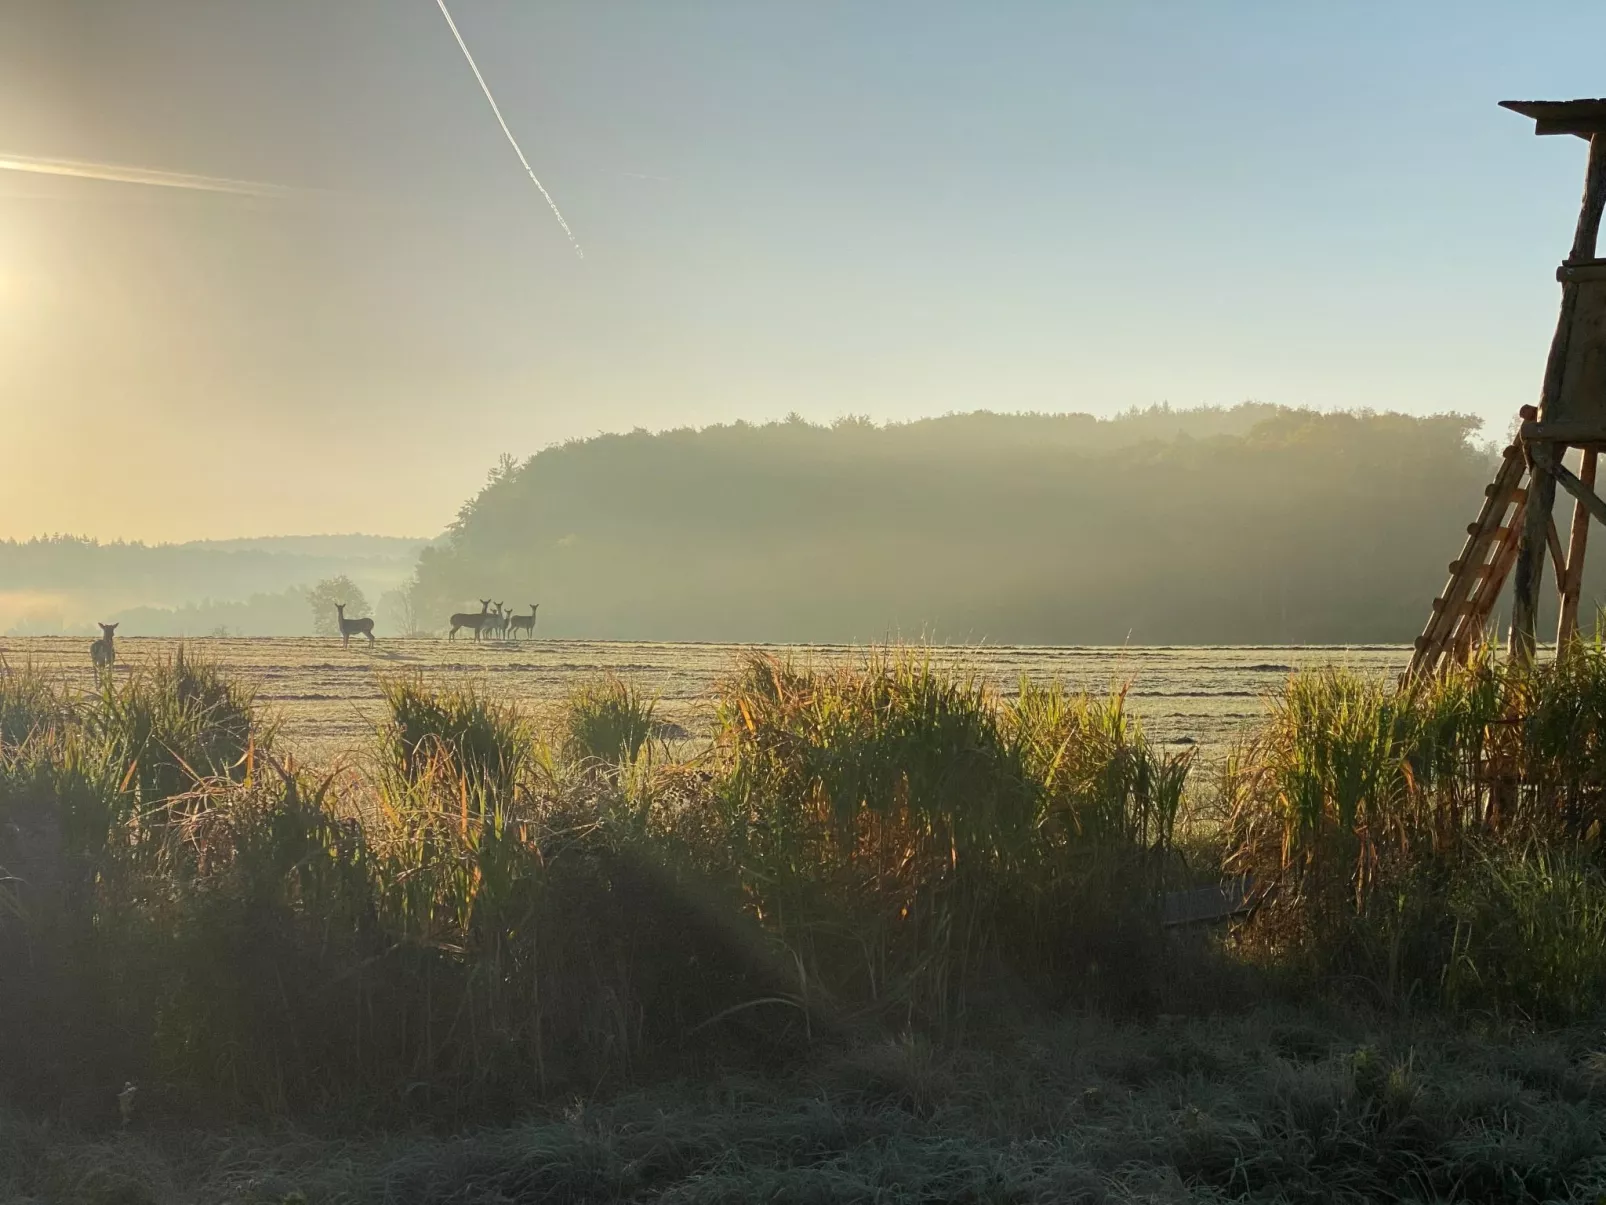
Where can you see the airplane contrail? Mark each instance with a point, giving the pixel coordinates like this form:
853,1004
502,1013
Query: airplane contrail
512,141
124,174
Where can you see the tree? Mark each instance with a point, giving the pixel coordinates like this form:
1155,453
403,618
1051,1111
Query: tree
323,597
399,608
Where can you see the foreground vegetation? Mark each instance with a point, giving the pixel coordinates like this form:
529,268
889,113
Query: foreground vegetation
1279,1105
892,936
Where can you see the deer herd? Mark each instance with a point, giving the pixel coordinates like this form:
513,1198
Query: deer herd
491,621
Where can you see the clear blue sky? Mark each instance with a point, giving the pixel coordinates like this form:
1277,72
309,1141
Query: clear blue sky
887,208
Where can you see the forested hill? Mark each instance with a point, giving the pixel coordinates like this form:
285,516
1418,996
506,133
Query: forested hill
1247,525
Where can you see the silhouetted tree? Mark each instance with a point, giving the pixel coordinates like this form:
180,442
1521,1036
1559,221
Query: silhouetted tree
323,597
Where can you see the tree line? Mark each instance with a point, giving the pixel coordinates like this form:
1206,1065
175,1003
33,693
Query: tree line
1250,524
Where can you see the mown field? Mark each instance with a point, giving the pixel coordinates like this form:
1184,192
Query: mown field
328,697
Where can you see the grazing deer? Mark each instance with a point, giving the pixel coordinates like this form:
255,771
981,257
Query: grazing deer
523,623
103,652
353,627
470,620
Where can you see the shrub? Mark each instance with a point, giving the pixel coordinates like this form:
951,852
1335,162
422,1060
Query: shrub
607,721
902,829
457,732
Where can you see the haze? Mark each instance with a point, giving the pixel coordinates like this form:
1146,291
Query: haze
898,209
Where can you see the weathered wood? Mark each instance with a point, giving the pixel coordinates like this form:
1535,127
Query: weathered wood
1484,535
1572,433
1581,117
1581,271
1584,236
1566,399
1587,497
1572,587
1481,605
1530,564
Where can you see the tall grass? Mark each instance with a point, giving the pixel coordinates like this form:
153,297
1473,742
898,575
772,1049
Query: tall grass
30,706
907,833
607,722
489,910
457,732
1387,822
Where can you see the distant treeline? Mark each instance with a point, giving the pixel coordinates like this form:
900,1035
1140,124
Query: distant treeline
1243,525
177,572
257,587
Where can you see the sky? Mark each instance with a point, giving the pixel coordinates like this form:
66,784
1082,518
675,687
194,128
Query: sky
893,209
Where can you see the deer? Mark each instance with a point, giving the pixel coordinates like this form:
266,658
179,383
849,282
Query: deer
353,627
471,620
103,652
497,623
523,623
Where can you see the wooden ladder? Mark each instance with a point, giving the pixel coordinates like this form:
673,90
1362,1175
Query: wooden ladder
1462,610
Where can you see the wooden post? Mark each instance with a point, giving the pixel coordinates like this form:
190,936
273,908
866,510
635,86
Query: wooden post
1567,625
1530,567
1589,213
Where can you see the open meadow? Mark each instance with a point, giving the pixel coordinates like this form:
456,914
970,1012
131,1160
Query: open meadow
328,697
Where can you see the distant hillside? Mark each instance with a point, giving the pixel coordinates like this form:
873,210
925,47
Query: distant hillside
336,547
1250,524
66,583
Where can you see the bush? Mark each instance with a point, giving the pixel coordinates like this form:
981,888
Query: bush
903,830
456,732
607,721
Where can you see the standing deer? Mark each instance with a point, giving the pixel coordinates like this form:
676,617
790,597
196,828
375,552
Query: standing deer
470,620
103,652
497,623
523,623
353,627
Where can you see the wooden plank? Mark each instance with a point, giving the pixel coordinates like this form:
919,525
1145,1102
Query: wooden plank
1488,593
1581,117
1572,591
1205,905
1530,563
1553,543
1588,498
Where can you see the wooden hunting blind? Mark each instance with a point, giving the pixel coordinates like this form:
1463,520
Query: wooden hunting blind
1515,532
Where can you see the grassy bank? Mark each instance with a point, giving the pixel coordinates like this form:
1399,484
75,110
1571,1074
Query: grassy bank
880,913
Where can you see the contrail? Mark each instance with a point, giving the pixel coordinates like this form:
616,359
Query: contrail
512,141
123,174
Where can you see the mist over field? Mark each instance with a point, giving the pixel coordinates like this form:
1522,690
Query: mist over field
1252,524
64,584
1246,524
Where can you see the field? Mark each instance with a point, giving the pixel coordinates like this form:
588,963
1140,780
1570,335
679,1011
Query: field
894,933
328,697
